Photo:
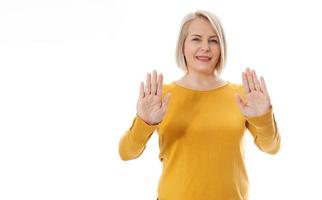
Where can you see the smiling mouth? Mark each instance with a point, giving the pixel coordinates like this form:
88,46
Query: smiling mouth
203,58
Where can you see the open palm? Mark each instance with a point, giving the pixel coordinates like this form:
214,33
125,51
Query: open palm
257,101
150,105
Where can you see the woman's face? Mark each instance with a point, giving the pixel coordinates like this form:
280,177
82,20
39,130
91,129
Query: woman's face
201,47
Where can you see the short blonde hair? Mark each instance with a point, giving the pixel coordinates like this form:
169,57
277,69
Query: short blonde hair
183,33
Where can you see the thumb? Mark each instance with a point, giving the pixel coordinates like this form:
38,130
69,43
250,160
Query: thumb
165,102
239,100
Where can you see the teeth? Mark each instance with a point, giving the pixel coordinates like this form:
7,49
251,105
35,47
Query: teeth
203,58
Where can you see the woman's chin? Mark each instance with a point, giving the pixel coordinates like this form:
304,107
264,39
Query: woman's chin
203,69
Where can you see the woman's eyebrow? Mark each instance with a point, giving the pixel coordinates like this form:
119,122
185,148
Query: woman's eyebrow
200,35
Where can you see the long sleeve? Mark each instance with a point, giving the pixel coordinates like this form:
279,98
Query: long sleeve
133,142
265,132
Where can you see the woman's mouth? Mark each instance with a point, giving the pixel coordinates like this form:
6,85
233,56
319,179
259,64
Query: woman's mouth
203,58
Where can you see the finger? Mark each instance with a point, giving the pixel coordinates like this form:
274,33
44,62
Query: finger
240,100
250,79
256,82
141,90
154,83
148,84
245,83
263,84
165,102
160,84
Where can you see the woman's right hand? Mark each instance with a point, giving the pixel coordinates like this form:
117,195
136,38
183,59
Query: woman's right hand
150,106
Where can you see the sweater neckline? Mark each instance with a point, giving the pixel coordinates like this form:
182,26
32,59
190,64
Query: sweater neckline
201,91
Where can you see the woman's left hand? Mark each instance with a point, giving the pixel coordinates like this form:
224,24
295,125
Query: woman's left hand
257,101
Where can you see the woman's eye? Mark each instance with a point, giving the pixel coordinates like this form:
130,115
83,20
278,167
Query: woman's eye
195,39
216,41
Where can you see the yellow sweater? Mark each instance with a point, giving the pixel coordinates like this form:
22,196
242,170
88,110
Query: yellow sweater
200,140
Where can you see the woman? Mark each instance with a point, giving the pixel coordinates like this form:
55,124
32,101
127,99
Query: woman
201,128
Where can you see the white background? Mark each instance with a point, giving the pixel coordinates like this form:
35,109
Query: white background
69,81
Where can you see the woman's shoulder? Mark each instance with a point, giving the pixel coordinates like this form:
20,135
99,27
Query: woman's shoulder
235,86
167,87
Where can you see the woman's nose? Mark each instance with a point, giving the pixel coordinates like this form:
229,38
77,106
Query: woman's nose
205,46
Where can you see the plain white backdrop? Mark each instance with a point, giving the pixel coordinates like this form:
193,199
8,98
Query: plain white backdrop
69,81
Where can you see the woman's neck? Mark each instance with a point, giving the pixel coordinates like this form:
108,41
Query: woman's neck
200,81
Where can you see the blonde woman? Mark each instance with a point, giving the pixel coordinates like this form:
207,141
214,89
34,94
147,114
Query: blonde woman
201,119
